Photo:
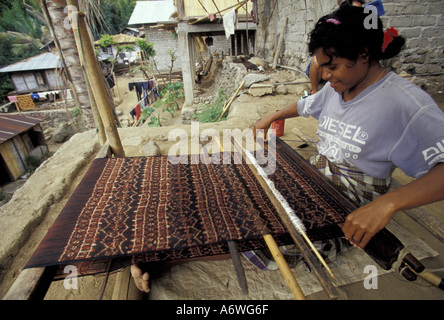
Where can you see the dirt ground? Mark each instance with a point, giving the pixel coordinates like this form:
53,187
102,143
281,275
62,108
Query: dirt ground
72,160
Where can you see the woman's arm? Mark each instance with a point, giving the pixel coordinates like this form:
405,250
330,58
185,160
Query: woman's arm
362,224
263,124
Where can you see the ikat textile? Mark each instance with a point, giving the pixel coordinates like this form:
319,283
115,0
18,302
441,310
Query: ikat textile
148,205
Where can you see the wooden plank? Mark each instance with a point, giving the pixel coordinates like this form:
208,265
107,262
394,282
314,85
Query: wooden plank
125,288
31,284
281,39
425,219
104,152
238,267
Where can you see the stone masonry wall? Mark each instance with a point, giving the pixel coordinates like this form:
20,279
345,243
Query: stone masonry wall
420,21
163,41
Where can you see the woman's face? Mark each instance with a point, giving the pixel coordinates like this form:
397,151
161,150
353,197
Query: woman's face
343,74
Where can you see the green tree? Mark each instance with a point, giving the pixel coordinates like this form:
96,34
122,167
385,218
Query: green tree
117,14
147,48
23,25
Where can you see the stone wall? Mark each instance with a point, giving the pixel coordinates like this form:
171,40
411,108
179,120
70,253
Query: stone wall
420,22
163,41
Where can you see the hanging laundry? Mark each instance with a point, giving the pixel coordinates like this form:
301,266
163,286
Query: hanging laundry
229,21
136,112
35,96
139,90
111,81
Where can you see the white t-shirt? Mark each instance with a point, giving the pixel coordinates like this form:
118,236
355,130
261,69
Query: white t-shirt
392,123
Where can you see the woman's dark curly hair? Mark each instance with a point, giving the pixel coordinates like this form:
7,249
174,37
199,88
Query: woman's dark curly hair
343,34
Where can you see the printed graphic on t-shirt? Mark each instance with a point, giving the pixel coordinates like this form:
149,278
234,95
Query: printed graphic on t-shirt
340,140
434,154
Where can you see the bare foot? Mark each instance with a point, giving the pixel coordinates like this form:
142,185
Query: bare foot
140,278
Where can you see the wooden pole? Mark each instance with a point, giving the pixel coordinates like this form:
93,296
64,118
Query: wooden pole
235,6
96,114
231,101
284,268
281,39
96,80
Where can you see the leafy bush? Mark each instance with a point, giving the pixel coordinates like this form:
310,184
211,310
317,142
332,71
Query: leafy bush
32,162
168,100
213,111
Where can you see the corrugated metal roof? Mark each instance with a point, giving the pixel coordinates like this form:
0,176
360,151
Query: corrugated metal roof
47,60
12,125
146,12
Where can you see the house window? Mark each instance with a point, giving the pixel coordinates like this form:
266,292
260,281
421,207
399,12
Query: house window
109,50
40,79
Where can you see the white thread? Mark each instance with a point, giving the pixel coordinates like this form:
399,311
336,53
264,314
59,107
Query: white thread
297,223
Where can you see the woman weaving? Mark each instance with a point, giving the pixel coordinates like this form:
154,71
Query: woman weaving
370,122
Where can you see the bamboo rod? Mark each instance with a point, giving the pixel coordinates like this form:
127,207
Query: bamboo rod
281,39
231,101
433,279
96,80
284,268
235,6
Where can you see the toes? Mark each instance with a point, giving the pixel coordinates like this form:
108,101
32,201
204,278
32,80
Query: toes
140,279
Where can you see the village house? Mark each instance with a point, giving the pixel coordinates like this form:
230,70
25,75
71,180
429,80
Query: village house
20,136
125,56
34,79
150,15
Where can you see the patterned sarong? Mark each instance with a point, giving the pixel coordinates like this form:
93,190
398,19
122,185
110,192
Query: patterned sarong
358,186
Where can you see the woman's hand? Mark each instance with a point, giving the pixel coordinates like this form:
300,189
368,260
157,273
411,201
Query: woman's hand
263,125
361,225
